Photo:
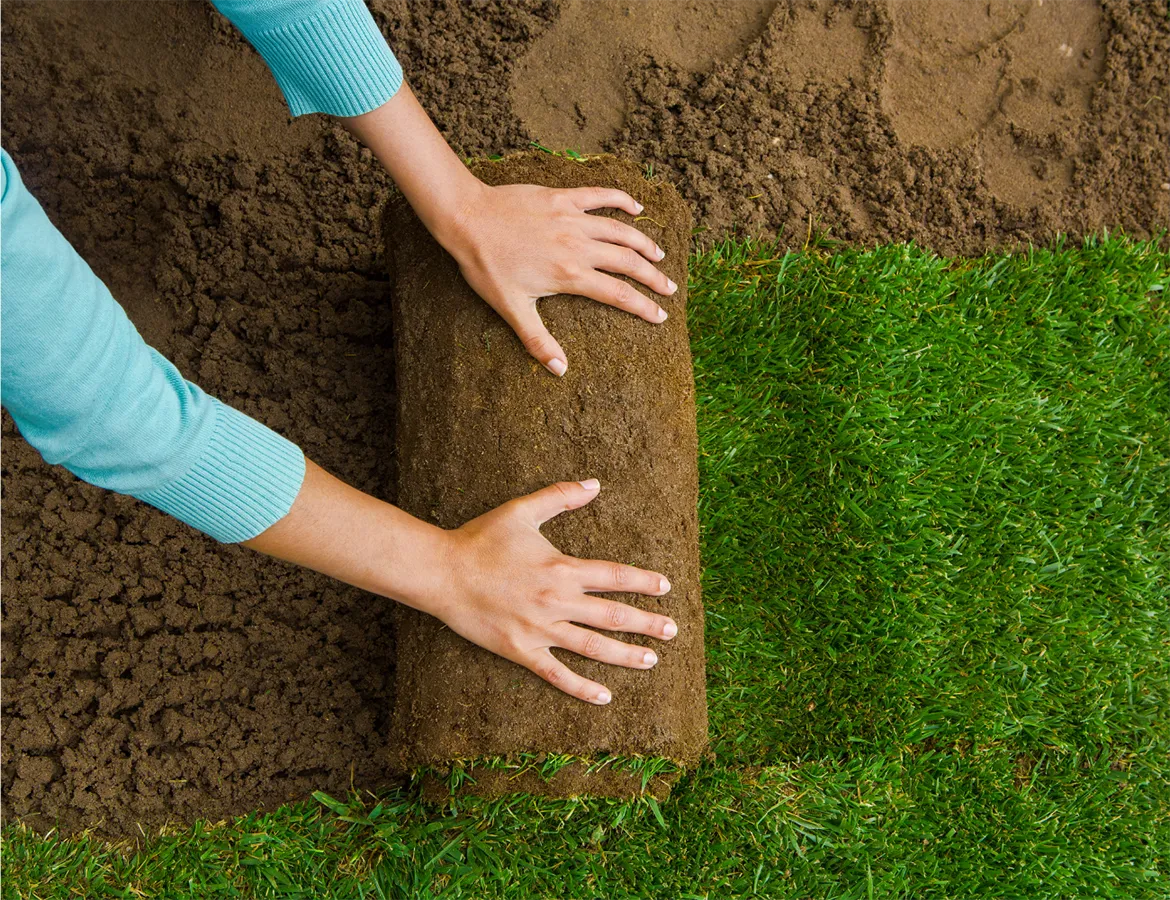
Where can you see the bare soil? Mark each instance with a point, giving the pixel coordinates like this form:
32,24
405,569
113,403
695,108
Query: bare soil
151,675
960,125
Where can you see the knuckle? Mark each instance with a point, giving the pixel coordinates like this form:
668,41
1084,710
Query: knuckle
546,598
593,644
561,569
616,615
618,575
623,295
553,673
563,490
566,271
535,343
510,646
630,258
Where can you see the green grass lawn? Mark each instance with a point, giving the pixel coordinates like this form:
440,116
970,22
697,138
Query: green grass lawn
936,538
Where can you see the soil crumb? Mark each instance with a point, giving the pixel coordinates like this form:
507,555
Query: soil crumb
480,422
151,675
1010,81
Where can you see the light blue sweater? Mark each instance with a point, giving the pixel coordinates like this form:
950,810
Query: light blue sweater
84,388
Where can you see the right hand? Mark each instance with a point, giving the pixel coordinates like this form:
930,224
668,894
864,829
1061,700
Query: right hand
512,592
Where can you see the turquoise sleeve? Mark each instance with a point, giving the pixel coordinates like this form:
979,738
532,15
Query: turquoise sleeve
326,55
88,393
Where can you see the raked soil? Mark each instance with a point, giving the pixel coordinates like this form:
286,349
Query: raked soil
152,675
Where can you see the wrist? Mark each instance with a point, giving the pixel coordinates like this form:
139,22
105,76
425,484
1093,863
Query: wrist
420,565
430,175
453,226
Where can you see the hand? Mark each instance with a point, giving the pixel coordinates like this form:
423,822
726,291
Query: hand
515,243
512,592
496,580
518,243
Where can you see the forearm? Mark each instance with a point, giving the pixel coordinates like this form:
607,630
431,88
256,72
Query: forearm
89,394
495,580
430,175
326,55
337,530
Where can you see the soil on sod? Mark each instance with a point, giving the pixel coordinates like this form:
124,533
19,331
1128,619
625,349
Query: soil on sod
150,674
480,422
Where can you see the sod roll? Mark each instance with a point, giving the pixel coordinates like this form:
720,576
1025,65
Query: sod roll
480,422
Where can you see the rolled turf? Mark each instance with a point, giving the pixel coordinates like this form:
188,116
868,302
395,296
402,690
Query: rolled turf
480,422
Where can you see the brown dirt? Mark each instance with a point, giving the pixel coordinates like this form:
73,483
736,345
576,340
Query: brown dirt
480,422
150,674
959,125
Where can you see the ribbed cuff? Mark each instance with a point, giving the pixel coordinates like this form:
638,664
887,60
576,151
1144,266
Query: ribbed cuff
334,62
245,481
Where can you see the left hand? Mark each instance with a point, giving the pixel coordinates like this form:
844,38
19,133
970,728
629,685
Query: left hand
517,243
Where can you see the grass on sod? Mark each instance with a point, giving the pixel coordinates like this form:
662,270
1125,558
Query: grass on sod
935,506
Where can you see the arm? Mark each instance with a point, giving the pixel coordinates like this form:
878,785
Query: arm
514,243
496,581
88,393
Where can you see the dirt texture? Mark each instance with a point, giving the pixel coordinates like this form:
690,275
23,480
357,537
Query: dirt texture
481,422
151,675
959,125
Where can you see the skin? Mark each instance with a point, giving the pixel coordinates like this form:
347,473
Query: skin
496,580
515,243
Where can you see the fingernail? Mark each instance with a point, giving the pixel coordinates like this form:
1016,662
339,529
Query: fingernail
661,252
664,585
602,698
671,286
670,629
590,484
650,659
639,206
661,314
557,367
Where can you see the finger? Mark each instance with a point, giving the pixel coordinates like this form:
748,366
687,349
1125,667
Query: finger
587,198
560,676
555,499
537,340
602,575
610,615
614,292
626,261
612,231
605,649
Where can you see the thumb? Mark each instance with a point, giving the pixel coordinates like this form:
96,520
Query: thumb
555,499
537,341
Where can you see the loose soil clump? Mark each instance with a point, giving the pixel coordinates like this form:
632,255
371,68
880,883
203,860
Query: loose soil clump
480,422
